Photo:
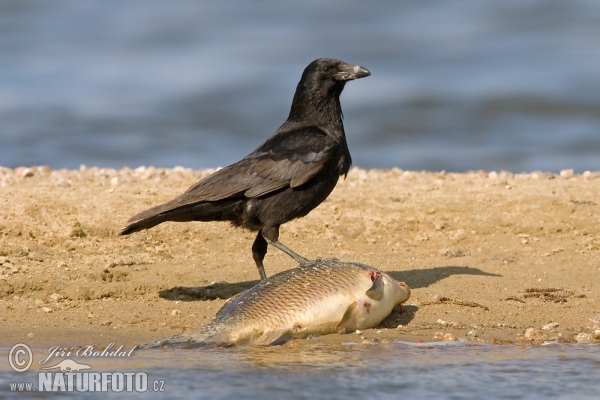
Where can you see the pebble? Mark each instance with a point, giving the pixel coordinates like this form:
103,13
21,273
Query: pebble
531,333
358,332
588,175
23,172
551,325
566,173
449,336
175,313
56,297
472,334
583,337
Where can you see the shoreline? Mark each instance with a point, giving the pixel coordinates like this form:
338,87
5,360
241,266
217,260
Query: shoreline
490,257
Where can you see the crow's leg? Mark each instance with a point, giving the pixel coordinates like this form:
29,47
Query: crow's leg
271,235
301,260
259,250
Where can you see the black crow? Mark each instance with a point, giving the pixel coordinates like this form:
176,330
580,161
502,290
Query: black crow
284,178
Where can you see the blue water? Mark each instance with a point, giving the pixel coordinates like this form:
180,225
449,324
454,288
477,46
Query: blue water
455,86
391,371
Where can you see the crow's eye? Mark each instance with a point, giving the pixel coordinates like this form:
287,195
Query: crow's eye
326,69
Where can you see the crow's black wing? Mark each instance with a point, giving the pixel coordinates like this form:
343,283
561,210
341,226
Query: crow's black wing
289,158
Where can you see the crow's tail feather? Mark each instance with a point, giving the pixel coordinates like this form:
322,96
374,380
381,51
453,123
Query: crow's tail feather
152,217
224,210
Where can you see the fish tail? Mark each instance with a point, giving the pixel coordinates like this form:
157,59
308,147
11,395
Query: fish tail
182,341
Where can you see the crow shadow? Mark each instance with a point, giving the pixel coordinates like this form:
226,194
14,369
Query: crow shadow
420,278
219,290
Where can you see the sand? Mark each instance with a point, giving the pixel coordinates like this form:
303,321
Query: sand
490,257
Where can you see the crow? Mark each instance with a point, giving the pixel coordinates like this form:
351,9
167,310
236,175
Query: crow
284,178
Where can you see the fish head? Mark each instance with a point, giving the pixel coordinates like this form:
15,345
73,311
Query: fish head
385,288
398,292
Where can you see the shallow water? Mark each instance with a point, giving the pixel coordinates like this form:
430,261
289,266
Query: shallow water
445,370
455,86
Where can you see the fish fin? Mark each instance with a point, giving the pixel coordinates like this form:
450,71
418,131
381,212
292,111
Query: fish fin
348,322
376,291
274,338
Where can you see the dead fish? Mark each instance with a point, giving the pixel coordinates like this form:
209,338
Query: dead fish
317,298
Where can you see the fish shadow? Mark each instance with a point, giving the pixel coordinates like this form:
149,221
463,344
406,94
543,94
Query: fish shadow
218,290
399,316
421,278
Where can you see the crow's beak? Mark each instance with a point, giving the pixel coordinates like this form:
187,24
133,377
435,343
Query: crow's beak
348,72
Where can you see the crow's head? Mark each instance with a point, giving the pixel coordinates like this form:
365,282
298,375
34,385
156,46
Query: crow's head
329,69
321,84
326,72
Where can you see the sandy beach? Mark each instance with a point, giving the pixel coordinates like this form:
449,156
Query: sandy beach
490,256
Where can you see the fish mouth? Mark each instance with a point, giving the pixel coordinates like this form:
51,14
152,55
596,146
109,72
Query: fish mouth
348,72
407,289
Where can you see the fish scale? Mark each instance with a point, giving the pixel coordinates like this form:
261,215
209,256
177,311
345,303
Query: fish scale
261,303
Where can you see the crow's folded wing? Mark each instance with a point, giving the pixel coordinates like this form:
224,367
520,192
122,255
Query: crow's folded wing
289,158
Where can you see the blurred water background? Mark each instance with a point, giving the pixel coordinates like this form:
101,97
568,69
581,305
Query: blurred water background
440,370
455,85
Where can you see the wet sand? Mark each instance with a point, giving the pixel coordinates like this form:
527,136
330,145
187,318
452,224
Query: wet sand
494,257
